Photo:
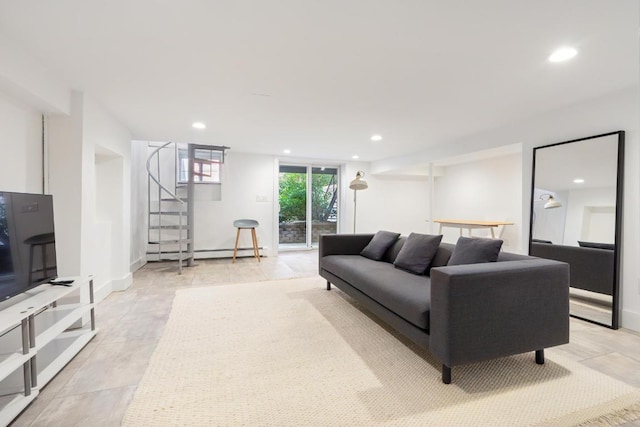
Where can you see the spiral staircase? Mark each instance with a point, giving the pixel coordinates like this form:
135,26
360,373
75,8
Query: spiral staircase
170,232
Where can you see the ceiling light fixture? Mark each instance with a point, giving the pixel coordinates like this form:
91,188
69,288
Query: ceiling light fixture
199,125
286,151
376,137
562,54
579,181
355,157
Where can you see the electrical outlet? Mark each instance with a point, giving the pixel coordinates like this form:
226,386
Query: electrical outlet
262,199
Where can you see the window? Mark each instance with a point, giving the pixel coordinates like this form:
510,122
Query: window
206,165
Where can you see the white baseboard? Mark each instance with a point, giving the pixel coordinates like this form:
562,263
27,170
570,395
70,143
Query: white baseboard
122,283
102,291
137,264
630,320
229,253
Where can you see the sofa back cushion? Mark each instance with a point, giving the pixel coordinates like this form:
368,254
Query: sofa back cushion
474,251
377,247
442,256
418,252
392,253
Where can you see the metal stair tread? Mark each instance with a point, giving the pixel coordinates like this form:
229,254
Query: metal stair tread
168,256
168,242
185,254
167,213
167,227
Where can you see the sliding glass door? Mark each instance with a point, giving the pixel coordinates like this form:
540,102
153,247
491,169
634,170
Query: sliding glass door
324,202
308,198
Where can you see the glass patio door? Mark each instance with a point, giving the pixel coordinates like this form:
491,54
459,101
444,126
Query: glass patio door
308,197
292,219
324,202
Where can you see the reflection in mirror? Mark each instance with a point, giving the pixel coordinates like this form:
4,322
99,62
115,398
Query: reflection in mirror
575,218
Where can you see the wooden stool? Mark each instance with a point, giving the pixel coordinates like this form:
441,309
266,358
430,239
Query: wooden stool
246,224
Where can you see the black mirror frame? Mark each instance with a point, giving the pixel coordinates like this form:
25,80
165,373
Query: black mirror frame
615,314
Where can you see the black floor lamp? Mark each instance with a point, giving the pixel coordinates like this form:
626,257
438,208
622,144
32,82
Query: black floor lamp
357,184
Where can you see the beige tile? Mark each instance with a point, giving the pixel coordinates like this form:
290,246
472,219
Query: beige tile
103,408
618,366
111,365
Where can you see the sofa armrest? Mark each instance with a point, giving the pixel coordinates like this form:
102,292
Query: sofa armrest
484,311
343,244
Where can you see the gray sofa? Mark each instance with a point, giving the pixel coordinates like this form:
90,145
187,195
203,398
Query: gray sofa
591,268
464,313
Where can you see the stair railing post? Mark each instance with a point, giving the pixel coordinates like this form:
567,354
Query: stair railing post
190,201
180,238
148,205
159,206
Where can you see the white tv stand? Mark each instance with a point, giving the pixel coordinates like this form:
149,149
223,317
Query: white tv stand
40,332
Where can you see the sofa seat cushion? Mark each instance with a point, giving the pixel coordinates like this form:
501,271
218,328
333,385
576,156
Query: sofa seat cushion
406,294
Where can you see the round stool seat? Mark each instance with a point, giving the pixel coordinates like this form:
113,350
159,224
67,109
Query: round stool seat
245,223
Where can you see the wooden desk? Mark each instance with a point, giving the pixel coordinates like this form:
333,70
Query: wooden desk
471,224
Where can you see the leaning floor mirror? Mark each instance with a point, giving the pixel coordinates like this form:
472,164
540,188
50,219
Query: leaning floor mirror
576,217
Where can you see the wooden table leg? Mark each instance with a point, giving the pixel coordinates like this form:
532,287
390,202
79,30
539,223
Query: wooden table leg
235,249
254,237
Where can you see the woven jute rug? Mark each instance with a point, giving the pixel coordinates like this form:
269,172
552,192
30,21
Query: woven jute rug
290,353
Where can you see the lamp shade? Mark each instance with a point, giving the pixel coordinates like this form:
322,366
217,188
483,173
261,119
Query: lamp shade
552,203
358,183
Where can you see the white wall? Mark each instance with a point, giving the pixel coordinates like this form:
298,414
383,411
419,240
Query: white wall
579,201
398,204
90,181
108,153
64,180
26,80
488,189
139,208
21,147
244,178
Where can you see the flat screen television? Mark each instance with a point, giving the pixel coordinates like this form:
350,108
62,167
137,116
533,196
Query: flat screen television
27,242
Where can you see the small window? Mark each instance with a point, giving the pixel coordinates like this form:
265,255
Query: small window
206,165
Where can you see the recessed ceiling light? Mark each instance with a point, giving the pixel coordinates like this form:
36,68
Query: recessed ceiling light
355,157
199,125
376,137
579,181
286,151
562,54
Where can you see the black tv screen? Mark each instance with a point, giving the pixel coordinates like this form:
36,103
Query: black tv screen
27,242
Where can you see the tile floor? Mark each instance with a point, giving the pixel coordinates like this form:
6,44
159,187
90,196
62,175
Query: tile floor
95,388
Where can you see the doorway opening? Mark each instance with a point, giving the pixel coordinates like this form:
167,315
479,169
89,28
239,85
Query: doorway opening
308,199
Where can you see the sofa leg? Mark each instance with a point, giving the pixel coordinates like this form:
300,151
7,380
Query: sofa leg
540,357
446,374
328,285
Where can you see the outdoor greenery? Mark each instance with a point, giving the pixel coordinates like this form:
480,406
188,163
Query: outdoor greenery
293,196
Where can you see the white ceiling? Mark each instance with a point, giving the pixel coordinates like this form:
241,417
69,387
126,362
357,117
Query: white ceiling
319,77
593,160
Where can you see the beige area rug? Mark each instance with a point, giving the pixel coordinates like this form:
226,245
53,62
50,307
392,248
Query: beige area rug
289,353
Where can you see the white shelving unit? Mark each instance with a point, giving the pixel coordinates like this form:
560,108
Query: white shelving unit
40,332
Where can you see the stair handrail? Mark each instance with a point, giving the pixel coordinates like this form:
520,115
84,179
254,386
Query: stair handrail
169,192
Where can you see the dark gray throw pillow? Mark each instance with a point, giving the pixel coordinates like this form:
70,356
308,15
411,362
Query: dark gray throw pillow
475,251
417,253
379,244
